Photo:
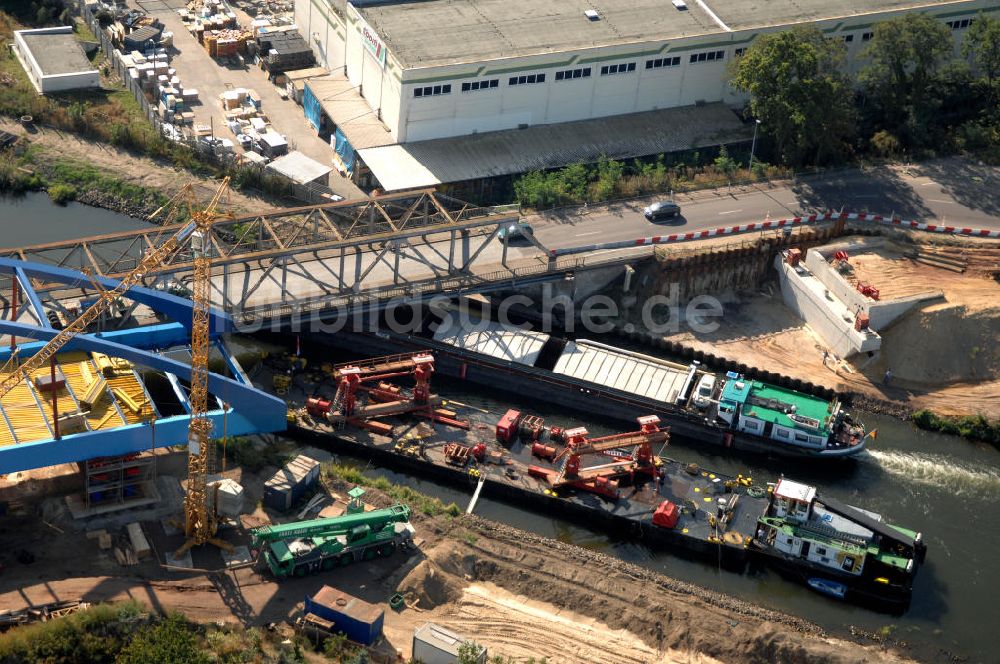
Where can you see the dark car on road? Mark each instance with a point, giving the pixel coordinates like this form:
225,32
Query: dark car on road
662,210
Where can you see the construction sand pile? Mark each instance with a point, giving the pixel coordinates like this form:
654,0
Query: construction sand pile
944,344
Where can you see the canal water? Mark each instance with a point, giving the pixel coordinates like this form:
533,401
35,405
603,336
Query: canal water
33,218
945,487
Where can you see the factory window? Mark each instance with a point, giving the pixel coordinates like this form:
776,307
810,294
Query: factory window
526,80
848,38
432,90
481,85
867,36
622,68
802,438
747,424
781,433
663,62
821,550
565,75
738,52
708,56
959,25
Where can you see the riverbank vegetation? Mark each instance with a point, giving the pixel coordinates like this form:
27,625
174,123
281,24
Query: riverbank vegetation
417,501
127,633
65,180
973,427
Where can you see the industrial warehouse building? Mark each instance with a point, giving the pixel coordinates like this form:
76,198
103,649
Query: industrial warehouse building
422,92
54,60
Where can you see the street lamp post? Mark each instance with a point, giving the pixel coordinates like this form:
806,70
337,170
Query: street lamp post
753,145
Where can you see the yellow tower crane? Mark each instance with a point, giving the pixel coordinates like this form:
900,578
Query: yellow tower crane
200,523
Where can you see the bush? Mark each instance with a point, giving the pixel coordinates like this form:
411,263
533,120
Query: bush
885,144
61,194
971,427
173,640
418,502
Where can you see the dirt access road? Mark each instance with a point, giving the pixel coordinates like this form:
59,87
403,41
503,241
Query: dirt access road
515,592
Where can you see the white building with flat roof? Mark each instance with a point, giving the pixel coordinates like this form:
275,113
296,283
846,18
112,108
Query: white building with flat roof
54,60
421,71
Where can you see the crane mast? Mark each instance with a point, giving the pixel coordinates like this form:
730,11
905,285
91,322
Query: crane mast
200,524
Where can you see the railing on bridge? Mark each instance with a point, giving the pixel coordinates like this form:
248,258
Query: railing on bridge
273,233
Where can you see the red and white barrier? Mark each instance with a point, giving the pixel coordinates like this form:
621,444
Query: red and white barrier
772,224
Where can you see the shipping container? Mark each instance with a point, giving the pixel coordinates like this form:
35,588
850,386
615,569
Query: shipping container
433,644
360,621
289,484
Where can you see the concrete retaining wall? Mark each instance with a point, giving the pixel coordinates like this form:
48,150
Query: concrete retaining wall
829,317
880,312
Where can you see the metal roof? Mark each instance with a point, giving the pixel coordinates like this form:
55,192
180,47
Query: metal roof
621,370
794,490
493,339
429,163
429,33
341,100
299,168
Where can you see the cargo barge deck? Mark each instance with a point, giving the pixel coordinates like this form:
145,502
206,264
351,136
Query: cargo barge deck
631,490
701,408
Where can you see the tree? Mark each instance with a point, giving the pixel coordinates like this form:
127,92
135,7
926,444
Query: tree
905,56
982,47
799,93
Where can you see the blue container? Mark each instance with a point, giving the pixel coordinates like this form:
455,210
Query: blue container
360,621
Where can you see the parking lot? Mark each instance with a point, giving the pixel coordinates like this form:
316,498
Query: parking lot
196,69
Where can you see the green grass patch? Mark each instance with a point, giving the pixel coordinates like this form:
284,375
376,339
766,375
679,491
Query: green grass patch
973,427
417,501
85,177
61,194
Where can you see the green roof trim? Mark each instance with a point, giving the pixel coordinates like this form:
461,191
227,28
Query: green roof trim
805,406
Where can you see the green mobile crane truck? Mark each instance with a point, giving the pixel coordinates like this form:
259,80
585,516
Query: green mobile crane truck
306,547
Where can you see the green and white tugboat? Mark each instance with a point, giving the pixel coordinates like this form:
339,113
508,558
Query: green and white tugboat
836,549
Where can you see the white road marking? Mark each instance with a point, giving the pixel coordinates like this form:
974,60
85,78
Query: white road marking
585,234
927,184
939,200
731,211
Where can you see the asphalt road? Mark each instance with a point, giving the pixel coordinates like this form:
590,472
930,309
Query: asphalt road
950,192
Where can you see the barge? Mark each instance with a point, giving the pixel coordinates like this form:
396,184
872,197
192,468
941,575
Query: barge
621,483
724,410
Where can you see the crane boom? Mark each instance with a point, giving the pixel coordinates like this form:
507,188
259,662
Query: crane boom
153,258
333,525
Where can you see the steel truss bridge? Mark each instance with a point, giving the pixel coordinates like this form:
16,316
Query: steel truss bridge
349,256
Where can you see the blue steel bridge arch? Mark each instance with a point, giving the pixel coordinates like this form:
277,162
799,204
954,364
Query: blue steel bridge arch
174,307
249,410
